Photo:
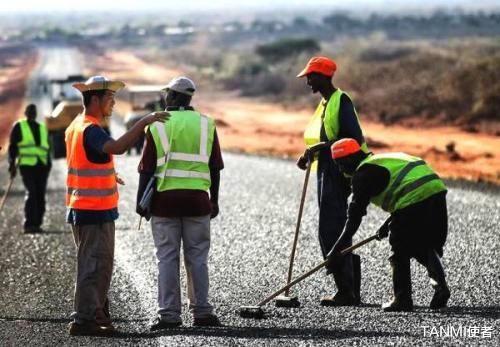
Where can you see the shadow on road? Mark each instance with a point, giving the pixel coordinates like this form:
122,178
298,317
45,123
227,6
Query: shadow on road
61,320
490,312
487,312
257,332
34,319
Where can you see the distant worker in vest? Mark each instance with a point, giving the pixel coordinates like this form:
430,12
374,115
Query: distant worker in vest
335,118
92,199
184,157
29,149
414,195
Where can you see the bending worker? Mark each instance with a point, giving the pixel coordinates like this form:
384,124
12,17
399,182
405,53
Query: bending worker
29,141
184,157
407,188
92,199
335,118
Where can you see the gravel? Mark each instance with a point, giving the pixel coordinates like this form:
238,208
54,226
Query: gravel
251,240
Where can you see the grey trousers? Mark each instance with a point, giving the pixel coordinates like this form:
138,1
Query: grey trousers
195,235
95,246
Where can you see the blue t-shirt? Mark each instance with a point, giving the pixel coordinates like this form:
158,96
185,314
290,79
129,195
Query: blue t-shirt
94,138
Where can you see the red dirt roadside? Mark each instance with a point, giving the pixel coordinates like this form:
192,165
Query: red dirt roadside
16,64
255,126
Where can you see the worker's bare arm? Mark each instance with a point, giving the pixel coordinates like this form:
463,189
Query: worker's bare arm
128,139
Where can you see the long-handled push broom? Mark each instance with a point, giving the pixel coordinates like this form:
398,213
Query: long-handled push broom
257,312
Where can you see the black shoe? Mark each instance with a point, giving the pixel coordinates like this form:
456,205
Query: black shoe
89,328
440,298
210,320
30,230
159,324
396,305
339,299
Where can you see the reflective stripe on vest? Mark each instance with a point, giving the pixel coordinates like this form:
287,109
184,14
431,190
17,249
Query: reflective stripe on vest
183,147
91,172
90,186
327,113
91,192
411,180
29,152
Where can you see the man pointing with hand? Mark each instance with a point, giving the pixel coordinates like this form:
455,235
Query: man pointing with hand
92,200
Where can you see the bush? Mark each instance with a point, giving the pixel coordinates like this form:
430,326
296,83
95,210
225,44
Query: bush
286,48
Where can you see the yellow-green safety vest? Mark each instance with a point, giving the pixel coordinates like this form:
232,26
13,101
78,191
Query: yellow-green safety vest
29,152
411,181
327,112
183,147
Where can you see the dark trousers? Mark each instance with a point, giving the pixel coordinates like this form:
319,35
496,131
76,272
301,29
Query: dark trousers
418,231
333,191
35,182
420,226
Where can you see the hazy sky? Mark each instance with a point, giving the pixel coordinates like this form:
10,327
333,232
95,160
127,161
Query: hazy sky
13,6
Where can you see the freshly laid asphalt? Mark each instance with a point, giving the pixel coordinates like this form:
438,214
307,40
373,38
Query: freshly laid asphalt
251,240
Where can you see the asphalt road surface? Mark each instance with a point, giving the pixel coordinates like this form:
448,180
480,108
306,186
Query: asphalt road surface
251,240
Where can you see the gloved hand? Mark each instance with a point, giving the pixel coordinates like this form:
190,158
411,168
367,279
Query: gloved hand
383,231
215,209
304,159
12,170
139,210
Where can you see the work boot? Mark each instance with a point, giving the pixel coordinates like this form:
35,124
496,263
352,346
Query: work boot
398,305
30,230
347,281
401,279
440,297
339,299
210,320
88,328
438,281
356,270
159,324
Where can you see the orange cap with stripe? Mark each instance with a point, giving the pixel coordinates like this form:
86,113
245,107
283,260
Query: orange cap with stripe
343,148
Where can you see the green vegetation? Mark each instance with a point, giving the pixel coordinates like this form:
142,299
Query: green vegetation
414,82
283,49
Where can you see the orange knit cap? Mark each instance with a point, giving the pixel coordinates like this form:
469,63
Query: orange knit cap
343,148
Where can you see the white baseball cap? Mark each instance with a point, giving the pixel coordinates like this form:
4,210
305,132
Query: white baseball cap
182,85
99,83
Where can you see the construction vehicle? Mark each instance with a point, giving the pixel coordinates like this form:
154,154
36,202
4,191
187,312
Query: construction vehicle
66,104
143,99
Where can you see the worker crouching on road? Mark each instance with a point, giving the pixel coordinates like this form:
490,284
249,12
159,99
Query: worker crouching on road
184,158
30,142
407,188
92,199
335,118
